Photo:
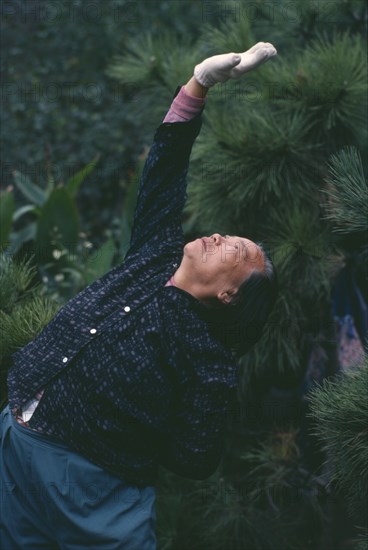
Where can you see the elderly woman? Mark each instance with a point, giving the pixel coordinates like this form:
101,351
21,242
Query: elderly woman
138,369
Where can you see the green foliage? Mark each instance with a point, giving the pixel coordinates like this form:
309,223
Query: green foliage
138,66
49,229
347,191
58,224
65,109
31,191
266,504
171,494
100,262
74,183
144,76
362,541
24,310
71,270
328,79
261,157
14,280
7,206
25,322
340,411
227,37
301,244
53,207
334,78
280,348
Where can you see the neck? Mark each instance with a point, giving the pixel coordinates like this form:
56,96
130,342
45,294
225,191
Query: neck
183,281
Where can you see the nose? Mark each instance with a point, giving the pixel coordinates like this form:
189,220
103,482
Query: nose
216,238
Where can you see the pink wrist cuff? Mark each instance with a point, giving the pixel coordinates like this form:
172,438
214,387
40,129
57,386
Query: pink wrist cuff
184,107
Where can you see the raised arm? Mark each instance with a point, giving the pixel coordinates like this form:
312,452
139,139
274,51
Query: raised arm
162,188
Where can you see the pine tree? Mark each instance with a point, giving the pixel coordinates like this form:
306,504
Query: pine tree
24,311
279,161
347,191
340,408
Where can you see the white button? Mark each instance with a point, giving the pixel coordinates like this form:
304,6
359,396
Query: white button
127,308
65,359
93,331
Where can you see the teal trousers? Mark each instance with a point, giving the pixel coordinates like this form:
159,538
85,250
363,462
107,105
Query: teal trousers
54,498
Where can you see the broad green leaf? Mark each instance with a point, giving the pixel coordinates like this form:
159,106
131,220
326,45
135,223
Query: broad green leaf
58,225
100,261
23,210
17,239
31,191
75,181
7,206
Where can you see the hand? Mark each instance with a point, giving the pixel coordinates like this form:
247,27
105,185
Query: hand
220,68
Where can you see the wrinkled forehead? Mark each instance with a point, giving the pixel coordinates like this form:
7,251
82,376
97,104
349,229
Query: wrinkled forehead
251,249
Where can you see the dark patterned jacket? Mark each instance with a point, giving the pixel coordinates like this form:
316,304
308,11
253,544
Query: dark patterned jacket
133,378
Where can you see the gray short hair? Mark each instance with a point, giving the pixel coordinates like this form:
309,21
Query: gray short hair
240,323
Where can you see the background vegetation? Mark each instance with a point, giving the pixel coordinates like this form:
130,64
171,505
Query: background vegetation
281,159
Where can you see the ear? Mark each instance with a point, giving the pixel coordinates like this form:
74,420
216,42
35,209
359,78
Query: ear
225,296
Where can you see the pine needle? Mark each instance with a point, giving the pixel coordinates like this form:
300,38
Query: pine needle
347,192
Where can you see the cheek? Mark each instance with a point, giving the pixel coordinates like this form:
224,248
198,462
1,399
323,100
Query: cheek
209,255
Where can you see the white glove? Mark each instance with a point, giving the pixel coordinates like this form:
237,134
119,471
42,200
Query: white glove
220,68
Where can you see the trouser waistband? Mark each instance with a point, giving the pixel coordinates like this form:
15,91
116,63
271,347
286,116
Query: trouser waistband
27,433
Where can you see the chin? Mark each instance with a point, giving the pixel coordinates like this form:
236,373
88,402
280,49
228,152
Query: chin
193,245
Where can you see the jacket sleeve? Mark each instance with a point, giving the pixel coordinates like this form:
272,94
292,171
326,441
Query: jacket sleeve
195,446
162,187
